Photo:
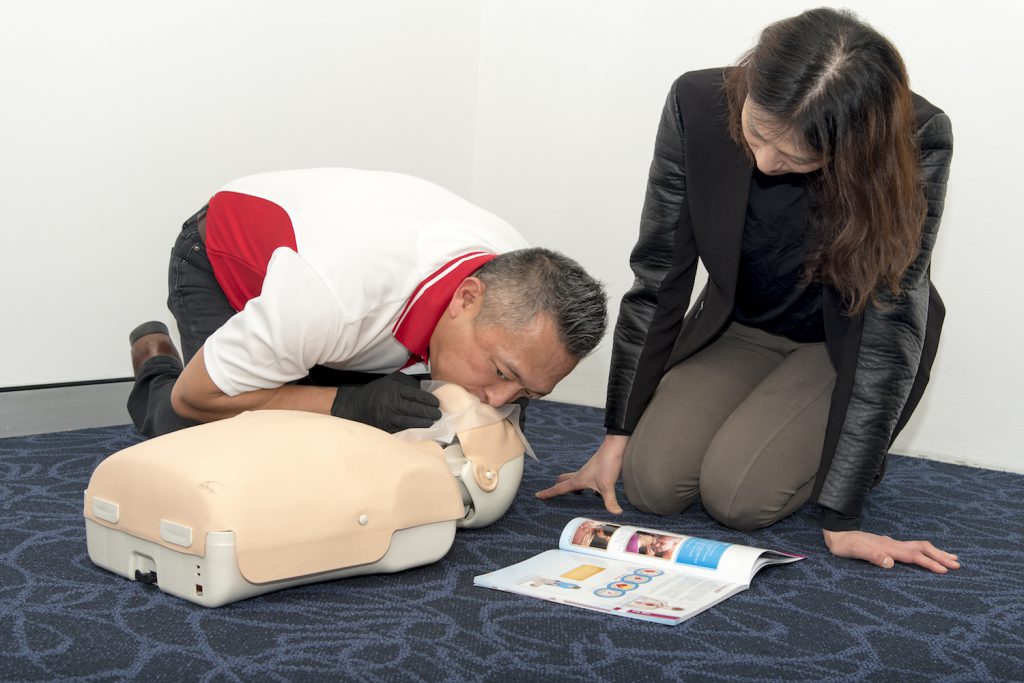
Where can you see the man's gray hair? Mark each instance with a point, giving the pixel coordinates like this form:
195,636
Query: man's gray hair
523,283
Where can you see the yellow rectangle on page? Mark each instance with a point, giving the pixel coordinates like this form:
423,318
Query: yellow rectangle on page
584,571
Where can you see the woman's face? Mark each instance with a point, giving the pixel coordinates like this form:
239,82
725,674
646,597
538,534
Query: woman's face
776,150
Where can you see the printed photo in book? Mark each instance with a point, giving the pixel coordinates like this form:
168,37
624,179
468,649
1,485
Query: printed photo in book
635,572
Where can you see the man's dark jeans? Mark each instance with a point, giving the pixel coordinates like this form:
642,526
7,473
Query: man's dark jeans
199,307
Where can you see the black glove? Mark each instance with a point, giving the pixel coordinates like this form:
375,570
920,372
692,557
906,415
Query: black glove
392,403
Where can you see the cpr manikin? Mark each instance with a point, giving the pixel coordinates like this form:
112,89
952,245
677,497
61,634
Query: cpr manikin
272,499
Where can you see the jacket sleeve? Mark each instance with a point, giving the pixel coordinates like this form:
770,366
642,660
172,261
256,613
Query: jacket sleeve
890,353
664,264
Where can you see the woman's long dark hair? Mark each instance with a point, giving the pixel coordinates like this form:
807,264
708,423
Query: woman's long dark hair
842,87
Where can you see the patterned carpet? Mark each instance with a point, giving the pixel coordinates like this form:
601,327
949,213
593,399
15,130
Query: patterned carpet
824,619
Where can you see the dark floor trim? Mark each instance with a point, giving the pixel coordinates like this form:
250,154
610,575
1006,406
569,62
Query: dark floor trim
64,385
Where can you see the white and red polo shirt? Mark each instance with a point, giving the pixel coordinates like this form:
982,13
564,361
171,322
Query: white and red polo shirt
339,267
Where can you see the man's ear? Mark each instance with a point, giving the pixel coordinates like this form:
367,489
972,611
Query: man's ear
468,297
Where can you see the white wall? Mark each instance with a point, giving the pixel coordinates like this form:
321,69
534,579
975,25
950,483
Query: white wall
121,117
569,100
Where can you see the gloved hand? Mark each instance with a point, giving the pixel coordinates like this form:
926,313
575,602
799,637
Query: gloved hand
392,403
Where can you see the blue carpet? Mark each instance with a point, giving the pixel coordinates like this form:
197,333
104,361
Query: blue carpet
824,619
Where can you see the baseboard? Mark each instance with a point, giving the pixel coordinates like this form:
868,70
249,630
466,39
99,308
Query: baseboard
59,408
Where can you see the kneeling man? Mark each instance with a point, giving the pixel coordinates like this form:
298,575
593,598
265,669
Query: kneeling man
313,289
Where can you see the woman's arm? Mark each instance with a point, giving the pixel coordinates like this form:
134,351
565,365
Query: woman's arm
664,263
890,352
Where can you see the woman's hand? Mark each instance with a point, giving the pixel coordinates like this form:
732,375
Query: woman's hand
885,552
599,474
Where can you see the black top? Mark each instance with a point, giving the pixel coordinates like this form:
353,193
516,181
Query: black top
770,291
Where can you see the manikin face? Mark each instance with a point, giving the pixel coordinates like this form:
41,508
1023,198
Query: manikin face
776,150
495,364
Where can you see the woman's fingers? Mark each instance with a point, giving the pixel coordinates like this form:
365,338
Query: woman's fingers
884,551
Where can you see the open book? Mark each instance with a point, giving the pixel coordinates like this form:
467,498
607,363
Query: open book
635,572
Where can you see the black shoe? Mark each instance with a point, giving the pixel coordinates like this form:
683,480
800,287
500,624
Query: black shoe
149,340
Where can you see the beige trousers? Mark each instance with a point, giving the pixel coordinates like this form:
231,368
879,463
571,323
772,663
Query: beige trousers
739,425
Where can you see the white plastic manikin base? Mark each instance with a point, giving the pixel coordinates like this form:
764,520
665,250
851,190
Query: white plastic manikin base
273,499
214,579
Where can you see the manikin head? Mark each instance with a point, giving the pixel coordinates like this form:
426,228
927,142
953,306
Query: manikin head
518,326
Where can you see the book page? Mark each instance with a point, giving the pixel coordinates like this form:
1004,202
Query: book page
673,553
630,589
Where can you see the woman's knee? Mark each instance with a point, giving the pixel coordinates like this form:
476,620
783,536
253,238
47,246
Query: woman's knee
652,490
746,502
731,509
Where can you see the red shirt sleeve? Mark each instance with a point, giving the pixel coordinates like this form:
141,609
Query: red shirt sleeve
242,233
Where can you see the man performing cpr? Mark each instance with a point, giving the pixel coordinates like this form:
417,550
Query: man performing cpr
284,279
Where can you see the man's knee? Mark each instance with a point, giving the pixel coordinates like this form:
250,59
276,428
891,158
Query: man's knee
149,403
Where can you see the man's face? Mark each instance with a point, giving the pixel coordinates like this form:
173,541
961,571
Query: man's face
494,363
